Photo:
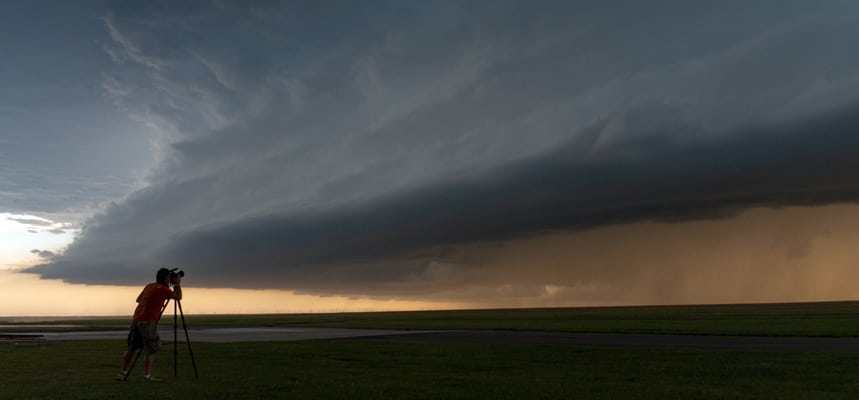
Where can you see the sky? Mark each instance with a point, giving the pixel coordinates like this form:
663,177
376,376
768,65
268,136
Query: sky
353,156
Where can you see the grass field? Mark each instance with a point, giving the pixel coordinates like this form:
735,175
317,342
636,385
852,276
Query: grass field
379,370
801,319
356,369
808,319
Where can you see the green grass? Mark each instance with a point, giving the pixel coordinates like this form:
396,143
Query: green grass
378,369
810,319
387,370
803,319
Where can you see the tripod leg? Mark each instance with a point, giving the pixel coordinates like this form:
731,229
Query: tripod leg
128,373
175,342
187,339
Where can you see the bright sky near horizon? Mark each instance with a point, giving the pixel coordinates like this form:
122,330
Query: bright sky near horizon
352,156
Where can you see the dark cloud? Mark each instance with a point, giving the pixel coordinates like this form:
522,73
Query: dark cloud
43,253
807,162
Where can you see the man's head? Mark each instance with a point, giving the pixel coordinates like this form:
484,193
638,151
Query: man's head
162,275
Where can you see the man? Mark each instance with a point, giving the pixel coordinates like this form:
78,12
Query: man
144,324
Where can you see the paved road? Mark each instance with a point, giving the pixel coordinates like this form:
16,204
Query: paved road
219,335
486,337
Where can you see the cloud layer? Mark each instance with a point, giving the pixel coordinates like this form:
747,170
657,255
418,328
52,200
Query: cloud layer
379,151
63,148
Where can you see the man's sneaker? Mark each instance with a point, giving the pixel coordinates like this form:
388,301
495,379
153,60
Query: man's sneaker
151,379
121,377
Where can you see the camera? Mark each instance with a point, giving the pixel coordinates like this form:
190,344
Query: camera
174,274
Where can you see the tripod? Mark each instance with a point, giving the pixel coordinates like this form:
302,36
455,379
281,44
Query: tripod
176,305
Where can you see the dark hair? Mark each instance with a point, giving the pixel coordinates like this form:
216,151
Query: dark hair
162,275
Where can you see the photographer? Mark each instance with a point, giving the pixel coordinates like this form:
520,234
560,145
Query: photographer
144,325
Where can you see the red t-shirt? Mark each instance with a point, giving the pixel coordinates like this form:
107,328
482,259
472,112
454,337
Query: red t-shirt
150,302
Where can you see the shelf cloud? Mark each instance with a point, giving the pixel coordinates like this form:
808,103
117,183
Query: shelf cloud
398,149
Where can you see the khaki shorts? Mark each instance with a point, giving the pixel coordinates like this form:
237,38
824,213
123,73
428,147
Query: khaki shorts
144,335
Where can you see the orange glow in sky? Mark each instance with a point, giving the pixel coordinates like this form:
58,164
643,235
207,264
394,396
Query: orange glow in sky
27,295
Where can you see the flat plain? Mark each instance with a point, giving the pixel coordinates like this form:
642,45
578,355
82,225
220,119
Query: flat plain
394,369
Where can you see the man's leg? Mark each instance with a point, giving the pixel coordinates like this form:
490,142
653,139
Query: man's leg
147,364
126,360
151,345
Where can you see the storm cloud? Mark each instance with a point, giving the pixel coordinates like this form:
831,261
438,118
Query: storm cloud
387,150
43,253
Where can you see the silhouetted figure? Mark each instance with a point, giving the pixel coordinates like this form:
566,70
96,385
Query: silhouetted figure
144,325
